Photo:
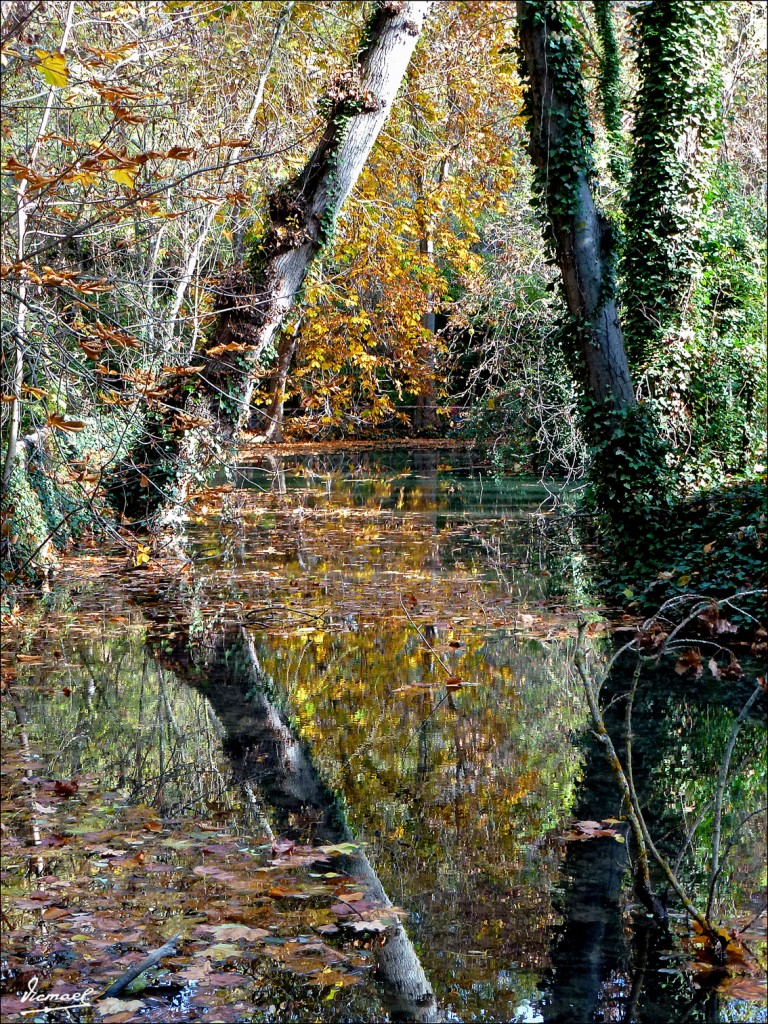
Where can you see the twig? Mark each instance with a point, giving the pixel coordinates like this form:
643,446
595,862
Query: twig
445,667
720,792
143,965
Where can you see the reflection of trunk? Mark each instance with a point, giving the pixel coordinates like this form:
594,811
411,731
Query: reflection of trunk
268,756
590,945
255,300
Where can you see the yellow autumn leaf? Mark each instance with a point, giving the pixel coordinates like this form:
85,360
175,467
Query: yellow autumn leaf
123,176
142,555
53,68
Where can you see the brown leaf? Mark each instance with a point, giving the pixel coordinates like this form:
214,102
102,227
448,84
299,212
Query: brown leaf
115,1011
278,892
589,830
230,932
688,661
54,913
68,426
66,789
732,671
180,153
213,872
759,641
233,346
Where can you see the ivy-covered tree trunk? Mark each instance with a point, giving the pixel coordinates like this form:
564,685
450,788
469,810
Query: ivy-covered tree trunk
676,117
628,469
561,149
205,411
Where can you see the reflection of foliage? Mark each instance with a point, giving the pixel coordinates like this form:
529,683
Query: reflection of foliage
467,794
131,830
684,741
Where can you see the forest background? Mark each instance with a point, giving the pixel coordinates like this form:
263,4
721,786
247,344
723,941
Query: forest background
145,144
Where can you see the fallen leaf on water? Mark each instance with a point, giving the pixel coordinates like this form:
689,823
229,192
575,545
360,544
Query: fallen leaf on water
373,927
589,830
112,1006
336,978
278,892
54,913
66,788
239,931
219,951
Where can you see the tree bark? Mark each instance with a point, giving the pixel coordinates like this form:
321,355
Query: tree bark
285,351
201,421
303,211
581,236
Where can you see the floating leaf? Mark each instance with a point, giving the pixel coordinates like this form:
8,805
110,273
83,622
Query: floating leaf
66,789
591,830
239,931
219,951
107,1007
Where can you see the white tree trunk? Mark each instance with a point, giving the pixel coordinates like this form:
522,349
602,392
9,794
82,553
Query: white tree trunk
303,211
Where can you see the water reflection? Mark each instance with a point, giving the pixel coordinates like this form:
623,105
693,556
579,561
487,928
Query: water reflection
376,651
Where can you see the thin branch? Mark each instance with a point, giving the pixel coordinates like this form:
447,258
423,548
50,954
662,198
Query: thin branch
720,792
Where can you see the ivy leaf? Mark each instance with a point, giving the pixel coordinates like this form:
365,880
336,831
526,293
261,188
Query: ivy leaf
53,68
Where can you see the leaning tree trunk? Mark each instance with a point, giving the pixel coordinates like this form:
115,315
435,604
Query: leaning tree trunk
560,147
195,422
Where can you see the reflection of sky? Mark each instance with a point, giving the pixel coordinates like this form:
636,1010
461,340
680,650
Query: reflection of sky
527,1014
743,1013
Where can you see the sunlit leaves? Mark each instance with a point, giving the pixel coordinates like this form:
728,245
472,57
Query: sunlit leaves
58,422
123,176
53,68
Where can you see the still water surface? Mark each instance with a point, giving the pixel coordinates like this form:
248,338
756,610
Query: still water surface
386,660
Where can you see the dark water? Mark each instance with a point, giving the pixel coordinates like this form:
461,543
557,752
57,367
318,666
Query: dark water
403,680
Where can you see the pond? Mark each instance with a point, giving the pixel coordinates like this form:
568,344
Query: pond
341,754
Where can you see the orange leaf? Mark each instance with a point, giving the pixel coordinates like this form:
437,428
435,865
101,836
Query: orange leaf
68,426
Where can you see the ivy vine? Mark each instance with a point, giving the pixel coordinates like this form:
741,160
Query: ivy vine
675,129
